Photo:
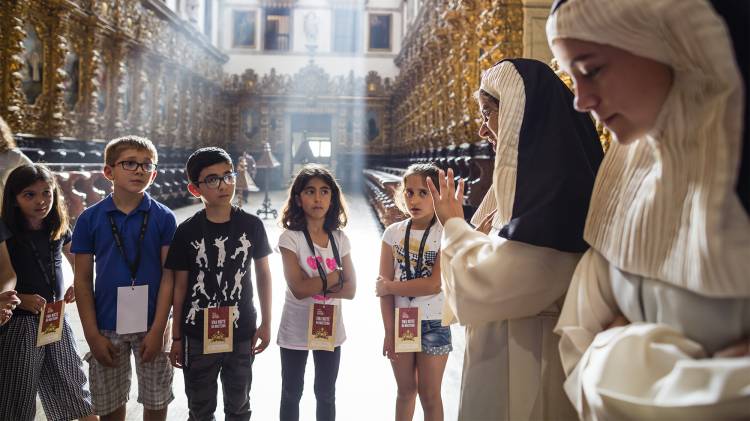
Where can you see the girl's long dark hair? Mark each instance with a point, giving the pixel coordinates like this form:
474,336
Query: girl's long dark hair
293,216
22,177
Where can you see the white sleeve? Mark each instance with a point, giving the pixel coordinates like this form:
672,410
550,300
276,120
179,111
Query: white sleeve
389,233
288,240
345,246
589,308
488,279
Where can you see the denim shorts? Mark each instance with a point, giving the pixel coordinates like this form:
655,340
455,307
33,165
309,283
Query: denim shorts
436,339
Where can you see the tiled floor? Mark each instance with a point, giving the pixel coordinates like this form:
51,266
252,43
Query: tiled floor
366,389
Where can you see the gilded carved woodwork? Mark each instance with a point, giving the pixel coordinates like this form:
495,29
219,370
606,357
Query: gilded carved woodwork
442,56
11,48
268,101
105,68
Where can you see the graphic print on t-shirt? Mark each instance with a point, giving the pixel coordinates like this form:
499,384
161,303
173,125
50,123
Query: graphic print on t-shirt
219,243
222,295
428,258
242,248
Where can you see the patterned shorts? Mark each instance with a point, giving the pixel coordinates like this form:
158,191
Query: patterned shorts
55,371
110,386
436,339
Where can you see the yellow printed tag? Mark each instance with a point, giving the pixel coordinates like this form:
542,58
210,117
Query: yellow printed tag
50,323
321,331
218,329
408,329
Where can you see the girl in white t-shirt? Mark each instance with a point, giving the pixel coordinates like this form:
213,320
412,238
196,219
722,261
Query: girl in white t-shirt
312,216
415,282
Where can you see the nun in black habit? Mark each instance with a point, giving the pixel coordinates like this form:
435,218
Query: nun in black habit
507,287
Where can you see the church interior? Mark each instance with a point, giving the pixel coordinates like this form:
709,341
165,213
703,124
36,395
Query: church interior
366,89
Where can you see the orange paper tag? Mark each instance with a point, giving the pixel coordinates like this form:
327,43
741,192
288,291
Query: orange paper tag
218,329
408,329
50,323
321,332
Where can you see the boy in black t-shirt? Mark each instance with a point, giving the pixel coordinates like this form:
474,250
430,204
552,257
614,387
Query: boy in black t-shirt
210,254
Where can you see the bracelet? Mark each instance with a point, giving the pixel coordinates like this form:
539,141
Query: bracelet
176,339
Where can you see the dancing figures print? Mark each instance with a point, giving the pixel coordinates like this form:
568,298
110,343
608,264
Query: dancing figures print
219,252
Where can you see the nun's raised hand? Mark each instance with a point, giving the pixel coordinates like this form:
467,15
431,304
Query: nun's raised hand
448,202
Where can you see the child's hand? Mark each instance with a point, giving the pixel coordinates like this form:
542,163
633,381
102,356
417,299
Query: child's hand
382,287
389,347
32,303
486,225
151,345
5,315
9,300
175,354
70,295
103,350
264,334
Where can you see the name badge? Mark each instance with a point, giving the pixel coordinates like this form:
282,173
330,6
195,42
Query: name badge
132,309
408,329
51,323
321,330
218,329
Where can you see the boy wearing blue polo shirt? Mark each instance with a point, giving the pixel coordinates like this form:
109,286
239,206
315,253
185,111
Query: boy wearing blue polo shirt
126,309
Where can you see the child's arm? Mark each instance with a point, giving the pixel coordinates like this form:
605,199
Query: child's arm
154,341
178,300
386,302
350,281
83,281
70,295
298,282
263,281
419,287
7,274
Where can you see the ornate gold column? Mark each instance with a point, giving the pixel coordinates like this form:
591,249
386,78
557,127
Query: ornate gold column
11,48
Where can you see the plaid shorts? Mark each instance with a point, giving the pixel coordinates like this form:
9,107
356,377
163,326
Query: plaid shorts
54,371
110,386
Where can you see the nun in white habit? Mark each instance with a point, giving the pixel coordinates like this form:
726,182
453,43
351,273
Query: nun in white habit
657,319
507,288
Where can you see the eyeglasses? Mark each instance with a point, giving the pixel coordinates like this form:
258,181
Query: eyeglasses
214,181
133,165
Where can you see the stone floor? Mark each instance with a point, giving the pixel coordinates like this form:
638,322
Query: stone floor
366,389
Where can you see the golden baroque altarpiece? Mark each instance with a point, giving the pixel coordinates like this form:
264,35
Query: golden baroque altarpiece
90,69
440,66
96,69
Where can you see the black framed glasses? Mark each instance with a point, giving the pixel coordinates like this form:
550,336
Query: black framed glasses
214,181
133,165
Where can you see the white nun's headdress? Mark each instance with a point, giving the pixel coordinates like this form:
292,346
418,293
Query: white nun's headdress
546,157
665,207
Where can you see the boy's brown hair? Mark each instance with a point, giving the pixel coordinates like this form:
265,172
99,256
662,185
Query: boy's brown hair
115,147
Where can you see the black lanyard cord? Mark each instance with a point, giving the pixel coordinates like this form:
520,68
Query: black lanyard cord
49,272
321,271
133,266
420,253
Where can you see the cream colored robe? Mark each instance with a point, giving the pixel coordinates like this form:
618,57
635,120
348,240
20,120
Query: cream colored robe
663,211
508,295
